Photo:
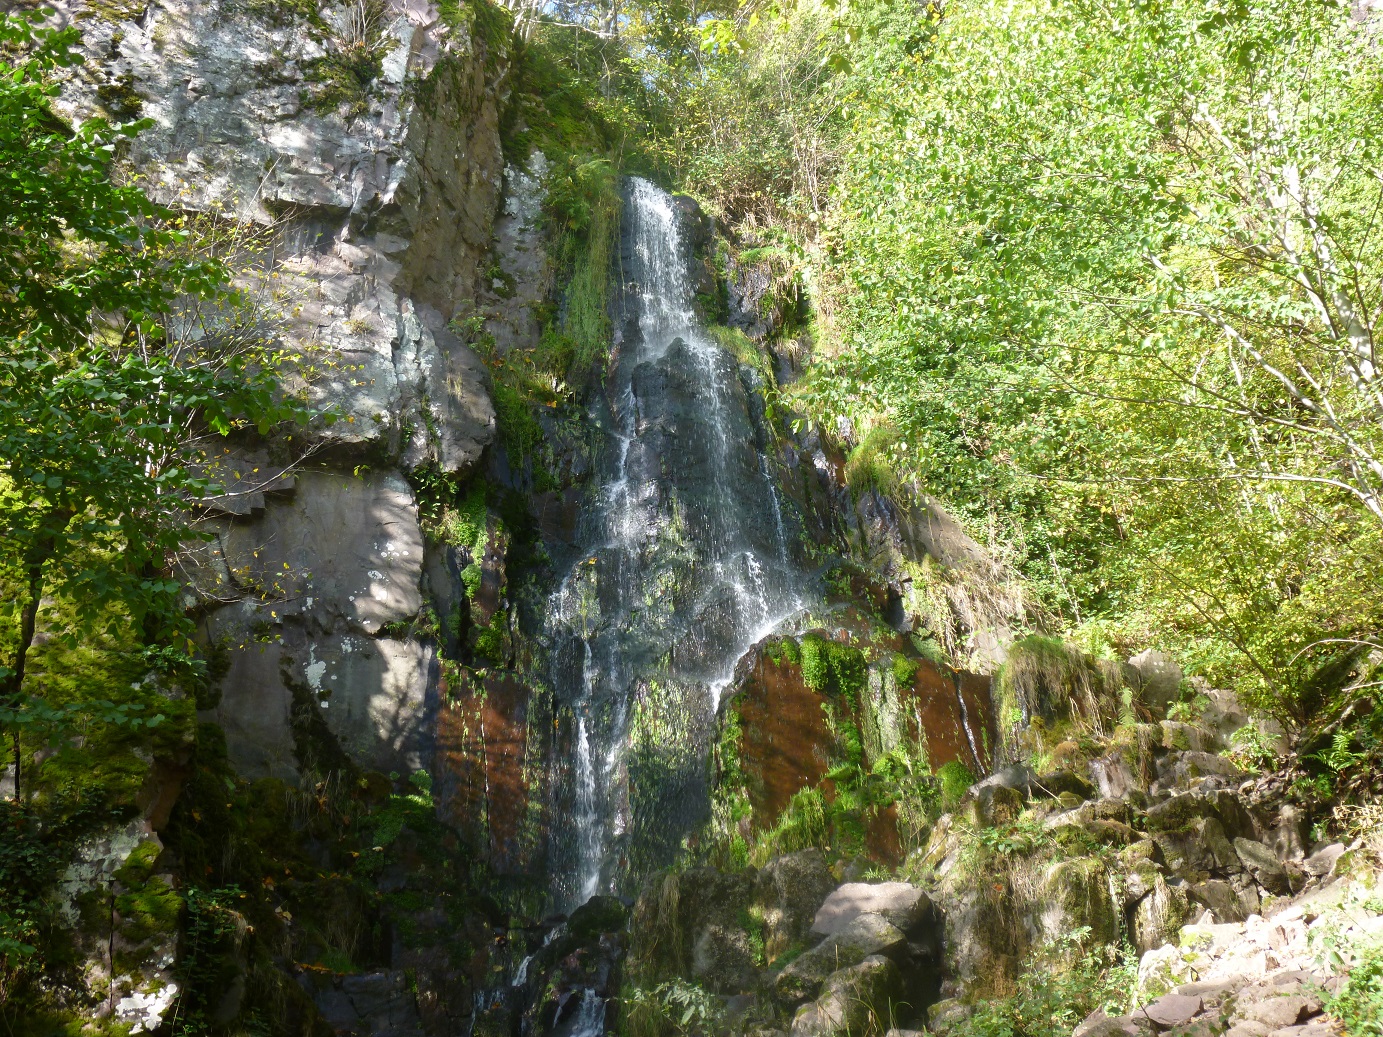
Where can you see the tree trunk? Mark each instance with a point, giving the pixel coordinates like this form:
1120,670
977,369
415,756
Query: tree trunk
38,555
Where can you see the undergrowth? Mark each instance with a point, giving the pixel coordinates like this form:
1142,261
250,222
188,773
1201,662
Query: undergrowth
1051,997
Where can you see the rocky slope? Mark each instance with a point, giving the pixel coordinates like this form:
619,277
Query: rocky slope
1146,835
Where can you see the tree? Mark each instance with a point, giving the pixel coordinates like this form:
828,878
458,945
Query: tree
1113,274
123,349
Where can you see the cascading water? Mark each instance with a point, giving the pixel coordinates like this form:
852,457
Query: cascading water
684,564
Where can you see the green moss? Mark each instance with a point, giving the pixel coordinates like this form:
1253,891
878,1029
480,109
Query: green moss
782,651
816,667
584,204
283,12
346,74
471,577
954,778
830,665
120,99
151,911
904,671
140,864
871,464
801,825
743,349
490,642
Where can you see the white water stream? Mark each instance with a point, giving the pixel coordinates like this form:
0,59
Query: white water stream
686,559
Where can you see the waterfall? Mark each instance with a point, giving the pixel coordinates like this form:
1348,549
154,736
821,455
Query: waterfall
684,562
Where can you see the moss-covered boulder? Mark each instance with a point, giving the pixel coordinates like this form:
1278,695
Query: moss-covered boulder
1156,918
1077,894
788,893
866,935
598,915
863,998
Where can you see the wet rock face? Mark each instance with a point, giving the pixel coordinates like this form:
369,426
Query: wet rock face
786,741
492,750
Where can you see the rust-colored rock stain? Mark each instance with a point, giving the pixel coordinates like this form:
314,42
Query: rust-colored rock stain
482,740
786,744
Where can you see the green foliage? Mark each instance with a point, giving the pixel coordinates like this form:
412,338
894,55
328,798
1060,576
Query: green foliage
801,825
356,48
672,1009
1359,1003
783,650
871,464
1107,353
491,641
583,210
816,668
904,671
126,359
1023,837
206,964
831,665
1056,993
743,349
955,779
471,577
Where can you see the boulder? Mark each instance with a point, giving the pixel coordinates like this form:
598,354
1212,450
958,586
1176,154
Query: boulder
1184,737
1159,915
1180,811
1321,864
600,914
1157,677
1173,1010
947,1015
1058,782
1015,776
1119,1026
1225,714
862,937
1140,877
1263,865
1285,831
788,891
853,1000
994,805
1277,1012
898,903
978,944
1114,776
1182,769
1222,899
1076,894
714,906
1212,995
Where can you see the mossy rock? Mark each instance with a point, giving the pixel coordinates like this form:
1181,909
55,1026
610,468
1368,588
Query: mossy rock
995,806
598,915
1076,894
140,864
151,913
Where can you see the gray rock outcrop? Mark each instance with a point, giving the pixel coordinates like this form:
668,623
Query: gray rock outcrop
369,214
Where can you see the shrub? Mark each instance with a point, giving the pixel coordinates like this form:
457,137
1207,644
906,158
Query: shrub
1359,1003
